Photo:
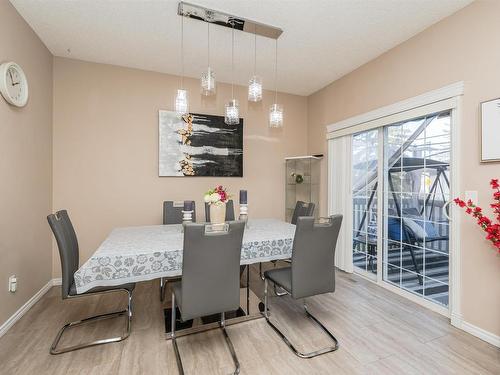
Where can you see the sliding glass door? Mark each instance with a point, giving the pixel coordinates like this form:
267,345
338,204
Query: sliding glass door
416,190
409,248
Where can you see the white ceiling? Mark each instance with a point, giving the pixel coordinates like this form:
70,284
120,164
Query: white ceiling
322,39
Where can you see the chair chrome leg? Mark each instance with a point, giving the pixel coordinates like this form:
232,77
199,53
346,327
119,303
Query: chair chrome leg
174,341
163,288
279,294
266,313
129,305
172,317
287,341
226,336
128,312
229,344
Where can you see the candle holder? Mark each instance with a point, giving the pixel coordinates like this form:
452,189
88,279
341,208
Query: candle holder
187,217
244,213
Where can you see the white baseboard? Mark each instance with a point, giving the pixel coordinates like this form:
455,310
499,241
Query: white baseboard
481,333
57,281
456,320
25,308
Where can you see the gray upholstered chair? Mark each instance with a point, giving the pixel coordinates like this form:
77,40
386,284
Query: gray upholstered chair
229,211
172,214
69,252
210,277
312,271
302,209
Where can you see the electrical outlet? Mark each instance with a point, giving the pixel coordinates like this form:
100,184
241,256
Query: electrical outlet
12,284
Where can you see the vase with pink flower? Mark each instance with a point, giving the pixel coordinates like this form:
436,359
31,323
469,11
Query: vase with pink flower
217,199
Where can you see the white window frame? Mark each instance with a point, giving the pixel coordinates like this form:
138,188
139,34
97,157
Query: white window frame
445,98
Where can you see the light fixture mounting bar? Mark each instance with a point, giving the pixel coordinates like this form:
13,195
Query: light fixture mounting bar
201,13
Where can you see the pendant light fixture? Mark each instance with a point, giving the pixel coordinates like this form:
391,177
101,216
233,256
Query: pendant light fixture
182,97
276,110
208,77
208,83
232,113
255,83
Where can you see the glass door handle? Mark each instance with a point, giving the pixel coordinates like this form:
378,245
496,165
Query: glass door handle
445,210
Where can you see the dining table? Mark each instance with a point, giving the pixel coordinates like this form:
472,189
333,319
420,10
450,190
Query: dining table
141,253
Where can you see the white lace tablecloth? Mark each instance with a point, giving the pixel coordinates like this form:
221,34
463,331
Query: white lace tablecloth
135,254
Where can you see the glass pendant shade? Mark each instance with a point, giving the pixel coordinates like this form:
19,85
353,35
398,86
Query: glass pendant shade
232,114
182,102
276,116
208,82
255,89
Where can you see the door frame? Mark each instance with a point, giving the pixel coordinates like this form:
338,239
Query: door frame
452,95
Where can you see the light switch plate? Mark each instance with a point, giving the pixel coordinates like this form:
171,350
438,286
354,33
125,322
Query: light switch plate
472,195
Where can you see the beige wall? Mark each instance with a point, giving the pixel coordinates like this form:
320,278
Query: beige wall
25,167
463,47
106,148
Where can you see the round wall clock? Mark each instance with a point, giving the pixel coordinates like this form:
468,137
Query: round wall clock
13,84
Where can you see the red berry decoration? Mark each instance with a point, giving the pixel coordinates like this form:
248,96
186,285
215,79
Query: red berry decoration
489,226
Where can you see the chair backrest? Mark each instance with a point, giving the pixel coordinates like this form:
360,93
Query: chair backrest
229,211
310,209
67,244
313,267
172,212
210,269
302,209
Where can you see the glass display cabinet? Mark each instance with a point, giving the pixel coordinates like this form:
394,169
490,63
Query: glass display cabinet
302,179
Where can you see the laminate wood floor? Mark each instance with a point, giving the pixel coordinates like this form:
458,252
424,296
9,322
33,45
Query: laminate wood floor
379,333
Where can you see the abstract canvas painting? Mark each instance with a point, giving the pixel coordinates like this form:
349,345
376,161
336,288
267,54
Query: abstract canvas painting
199,145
